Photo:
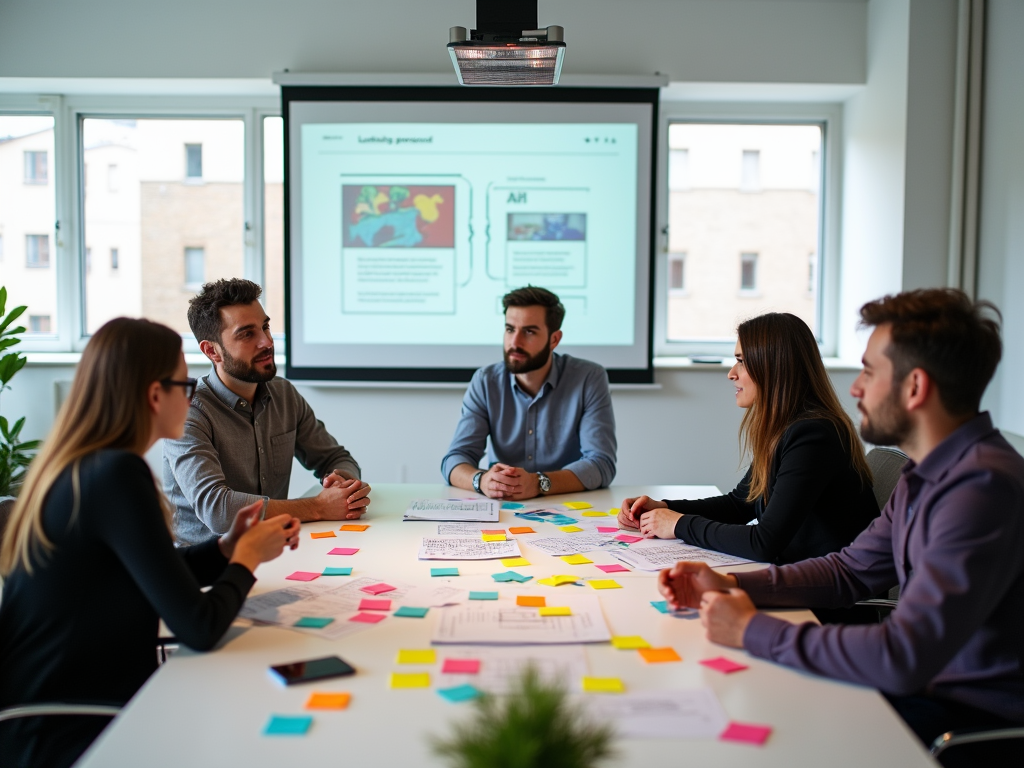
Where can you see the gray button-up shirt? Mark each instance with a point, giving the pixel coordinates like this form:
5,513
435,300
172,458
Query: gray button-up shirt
568,424
233,454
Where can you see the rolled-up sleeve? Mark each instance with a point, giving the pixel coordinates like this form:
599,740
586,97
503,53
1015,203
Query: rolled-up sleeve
596,466
470,440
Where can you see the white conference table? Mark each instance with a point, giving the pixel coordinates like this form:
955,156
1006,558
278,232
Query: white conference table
209,709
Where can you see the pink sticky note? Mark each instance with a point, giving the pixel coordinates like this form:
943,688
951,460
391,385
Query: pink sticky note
461,666
374,605
493,531
303,576
376,589
629,539
369,618
606,529
343,551
616,568
722,664
746,733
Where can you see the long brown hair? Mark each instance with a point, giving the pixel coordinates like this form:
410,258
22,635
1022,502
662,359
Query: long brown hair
782,358
106,408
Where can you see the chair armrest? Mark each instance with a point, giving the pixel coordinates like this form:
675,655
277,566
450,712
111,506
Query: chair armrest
36,710
879,602
957,738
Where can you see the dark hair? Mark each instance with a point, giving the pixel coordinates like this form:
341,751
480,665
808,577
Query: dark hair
532,296
782,359
943,332
204,308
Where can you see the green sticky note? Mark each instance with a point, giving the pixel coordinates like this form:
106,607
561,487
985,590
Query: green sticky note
459,693
483,595
444,571
284,725
329,571
412,613
316,622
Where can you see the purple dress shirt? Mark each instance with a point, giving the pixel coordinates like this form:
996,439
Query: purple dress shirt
952,536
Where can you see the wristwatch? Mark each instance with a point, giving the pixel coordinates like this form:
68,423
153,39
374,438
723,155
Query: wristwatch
543,482
476,481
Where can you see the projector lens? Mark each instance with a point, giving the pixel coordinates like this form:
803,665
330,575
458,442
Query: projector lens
507,64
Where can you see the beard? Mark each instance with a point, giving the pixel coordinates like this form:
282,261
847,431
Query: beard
247,371
530,363
888,425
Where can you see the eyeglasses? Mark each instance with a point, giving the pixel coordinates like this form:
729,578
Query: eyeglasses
188,384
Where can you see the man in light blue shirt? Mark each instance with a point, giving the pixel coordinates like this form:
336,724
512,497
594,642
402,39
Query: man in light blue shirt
549,416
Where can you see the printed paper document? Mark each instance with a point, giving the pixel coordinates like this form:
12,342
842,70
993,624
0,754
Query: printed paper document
434,548
454,510
676,714
654,557
503,622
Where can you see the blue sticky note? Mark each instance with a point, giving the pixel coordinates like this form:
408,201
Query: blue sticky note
459,693
483,595
412,613
331,571
504,576
288,725
316,622
512,505
519,577
444,571
661,605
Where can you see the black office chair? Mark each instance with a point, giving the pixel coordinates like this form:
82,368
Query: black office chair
886,466
976,739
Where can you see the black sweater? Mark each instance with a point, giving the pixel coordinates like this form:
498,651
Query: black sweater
816,503
83,627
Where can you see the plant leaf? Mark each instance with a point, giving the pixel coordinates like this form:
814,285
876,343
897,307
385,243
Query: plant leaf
14,315
3,299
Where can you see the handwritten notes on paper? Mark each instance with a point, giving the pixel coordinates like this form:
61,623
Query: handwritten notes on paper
434,548
454,510
665,714
576,544
503,622
654,557
501,667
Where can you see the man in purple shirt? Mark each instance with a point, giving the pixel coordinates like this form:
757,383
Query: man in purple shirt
951,655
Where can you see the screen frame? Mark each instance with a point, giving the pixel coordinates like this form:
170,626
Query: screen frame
648,96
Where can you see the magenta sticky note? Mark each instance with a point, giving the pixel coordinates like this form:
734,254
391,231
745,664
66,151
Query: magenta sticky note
461,666
616,568
629,539
722,664
343,551
745,733
606,529
374,605
303,576
376,589
369,618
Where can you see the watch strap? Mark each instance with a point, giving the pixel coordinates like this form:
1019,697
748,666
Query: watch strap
476,481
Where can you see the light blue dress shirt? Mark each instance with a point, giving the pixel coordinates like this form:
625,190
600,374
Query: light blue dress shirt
568,424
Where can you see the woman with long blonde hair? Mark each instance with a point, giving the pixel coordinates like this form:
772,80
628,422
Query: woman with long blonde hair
808,488
88,561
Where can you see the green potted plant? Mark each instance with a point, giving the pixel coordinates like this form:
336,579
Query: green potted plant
15,454
534,726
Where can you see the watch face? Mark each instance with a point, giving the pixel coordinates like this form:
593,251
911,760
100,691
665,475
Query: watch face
545,483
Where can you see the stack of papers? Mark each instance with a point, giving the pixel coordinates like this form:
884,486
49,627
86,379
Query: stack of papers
654,557
454,510
435,548
574,544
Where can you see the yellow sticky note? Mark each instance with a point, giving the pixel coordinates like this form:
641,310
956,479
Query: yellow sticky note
494,537
512,562
353,527
576,559
570,528
557,581
555,610
653,655
629,642
577,505
595,513
323,535
427,656
603,685
531,601
605,584
413,680
328,701
613,512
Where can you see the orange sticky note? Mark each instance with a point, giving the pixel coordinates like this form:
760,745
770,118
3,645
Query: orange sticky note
328,701
521,529
353,528
655,655
531,601
324,535
493,531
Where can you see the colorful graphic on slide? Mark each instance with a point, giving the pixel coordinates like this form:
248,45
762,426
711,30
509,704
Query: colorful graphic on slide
547,226
395,216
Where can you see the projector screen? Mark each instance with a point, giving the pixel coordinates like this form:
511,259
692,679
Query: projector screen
411,211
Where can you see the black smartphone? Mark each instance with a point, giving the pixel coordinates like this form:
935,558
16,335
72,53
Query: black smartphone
313,669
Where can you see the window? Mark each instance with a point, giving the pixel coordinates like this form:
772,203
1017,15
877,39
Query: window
195,267
39,324
273,222
37,251
114,258
748,272
740,227
88,260
35,167
193,161
113,179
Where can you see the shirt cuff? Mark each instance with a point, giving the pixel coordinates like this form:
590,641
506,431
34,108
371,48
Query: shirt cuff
451,462
350,468
761,634
587,473
757,582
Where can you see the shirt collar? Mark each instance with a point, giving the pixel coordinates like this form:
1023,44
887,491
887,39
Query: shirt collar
557,364
949,451
229,398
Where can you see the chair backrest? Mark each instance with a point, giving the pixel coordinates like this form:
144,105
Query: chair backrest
885,464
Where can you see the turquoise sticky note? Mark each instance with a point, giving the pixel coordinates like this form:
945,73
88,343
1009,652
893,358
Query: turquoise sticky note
316,622
288,725
519,577
412,613
337,571
444,571
512,505
459,693
661,605
503,576
483,595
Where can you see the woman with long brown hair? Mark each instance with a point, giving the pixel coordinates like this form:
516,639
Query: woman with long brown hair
88,559
808,488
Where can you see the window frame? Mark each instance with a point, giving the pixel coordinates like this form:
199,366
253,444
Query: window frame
829,117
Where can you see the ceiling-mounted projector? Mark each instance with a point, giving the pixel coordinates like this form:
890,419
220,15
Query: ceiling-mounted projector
507,48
